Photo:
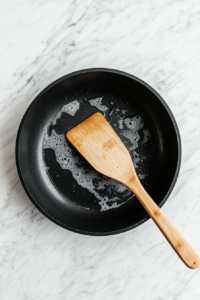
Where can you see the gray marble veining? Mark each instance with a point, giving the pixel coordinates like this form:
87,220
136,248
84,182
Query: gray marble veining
43,40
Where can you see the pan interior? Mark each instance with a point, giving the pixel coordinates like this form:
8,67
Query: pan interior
79,198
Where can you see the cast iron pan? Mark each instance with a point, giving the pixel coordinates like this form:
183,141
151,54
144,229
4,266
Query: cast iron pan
55,192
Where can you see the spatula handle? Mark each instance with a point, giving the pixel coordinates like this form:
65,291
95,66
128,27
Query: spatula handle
177,241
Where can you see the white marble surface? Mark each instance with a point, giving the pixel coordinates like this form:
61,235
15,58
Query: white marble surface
43,40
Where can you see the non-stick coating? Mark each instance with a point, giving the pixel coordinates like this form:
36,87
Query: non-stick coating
56,200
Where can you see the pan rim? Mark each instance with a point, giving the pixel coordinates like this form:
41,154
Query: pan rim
37,98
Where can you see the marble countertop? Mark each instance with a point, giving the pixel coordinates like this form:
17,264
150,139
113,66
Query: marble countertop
40,42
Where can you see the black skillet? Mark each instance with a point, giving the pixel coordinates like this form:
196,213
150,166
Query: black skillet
55,192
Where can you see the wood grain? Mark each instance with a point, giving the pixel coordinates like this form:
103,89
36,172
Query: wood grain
95,139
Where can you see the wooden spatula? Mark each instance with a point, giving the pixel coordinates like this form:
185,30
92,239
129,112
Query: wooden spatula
95,139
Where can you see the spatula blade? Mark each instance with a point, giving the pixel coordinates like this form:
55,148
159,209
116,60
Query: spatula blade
98,143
